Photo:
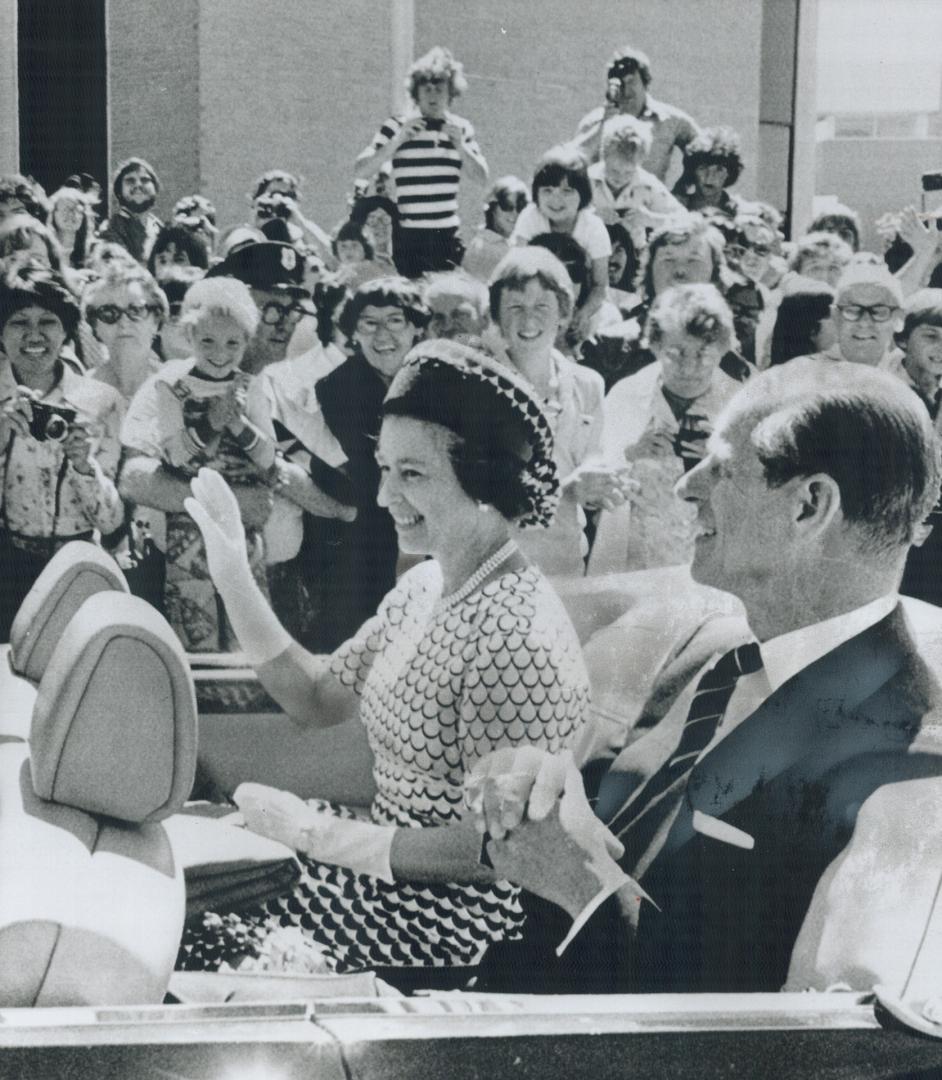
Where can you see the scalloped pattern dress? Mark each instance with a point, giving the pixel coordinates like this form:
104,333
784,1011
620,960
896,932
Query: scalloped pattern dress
440,687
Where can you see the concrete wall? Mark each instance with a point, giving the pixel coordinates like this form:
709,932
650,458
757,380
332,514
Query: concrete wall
876,175
9,125
534,69
153,90
298,85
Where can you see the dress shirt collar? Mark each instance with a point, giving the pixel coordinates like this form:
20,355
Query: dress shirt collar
653,110
787,654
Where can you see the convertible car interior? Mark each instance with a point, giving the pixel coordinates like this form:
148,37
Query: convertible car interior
107,843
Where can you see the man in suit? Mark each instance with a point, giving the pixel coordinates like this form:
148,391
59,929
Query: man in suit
711,832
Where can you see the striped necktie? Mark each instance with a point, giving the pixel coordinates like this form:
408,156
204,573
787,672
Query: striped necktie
709,703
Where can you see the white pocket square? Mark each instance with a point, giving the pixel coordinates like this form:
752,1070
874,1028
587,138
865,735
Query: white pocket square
720,830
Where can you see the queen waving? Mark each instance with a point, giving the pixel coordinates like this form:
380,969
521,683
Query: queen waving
470,651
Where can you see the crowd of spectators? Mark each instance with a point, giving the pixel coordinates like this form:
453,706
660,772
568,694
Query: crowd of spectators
137,353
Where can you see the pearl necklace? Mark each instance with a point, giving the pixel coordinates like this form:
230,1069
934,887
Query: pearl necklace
500,556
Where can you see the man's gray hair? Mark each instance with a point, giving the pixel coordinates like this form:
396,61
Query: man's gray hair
861,426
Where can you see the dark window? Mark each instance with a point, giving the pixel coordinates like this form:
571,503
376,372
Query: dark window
62,90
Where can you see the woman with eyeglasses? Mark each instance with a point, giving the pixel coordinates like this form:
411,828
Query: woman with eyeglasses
125,308
352,565
59,446
503,203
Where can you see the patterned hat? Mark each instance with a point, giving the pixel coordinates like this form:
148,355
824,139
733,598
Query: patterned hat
482,401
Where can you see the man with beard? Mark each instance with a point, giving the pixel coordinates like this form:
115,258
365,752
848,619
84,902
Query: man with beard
133,226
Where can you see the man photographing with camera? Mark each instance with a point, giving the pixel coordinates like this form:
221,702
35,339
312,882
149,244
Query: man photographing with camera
275,198
629,76
428,149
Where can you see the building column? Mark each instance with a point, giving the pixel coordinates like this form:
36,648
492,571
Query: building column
9,91
804,152
402,45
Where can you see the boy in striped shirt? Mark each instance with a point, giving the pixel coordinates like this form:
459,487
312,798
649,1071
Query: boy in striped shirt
427,147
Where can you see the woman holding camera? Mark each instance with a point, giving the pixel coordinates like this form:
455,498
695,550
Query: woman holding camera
59,445
657,422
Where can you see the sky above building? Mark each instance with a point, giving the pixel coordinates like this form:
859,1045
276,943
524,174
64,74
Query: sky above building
879,56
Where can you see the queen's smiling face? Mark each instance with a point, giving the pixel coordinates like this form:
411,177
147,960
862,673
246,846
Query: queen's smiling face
432,512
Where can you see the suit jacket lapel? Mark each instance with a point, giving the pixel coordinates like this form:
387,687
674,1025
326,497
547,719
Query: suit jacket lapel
799,719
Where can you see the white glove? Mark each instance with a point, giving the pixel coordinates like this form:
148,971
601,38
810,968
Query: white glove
360,846
215,510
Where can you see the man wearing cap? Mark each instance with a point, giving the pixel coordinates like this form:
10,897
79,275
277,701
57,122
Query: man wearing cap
867,311
629,75
749,839
273,273
132,225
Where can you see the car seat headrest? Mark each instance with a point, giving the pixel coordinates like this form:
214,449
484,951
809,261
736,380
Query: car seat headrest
76,572
114,723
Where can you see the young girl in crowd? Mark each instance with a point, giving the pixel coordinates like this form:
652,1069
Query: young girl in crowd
503,204
205,411
378,218
354,255
562,195
73,221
